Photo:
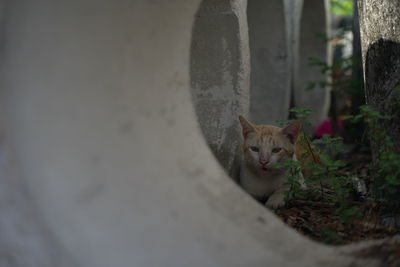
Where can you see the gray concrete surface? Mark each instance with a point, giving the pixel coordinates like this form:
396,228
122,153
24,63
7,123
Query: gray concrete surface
220,74
25,241
314,21
380,41
99,115
270,61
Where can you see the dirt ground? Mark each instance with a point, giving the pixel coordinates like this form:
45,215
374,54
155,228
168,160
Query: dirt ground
320,219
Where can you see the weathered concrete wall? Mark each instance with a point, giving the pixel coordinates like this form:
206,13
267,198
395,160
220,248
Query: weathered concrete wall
314,21
380,40
283,38
220,76
100,117
270,61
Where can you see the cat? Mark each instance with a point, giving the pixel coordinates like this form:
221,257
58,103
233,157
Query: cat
264,147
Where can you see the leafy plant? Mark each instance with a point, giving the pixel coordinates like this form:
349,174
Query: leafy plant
385,167
342,7
324,168
330,236
293,180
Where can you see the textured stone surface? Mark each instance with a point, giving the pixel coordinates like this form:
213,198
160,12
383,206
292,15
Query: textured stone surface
380,39
220,76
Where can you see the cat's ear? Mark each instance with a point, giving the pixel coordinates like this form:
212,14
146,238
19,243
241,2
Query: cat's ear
292,131
247,127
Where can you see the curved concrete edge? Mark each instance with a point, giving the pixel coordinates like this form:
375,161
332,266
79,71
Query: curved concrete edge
99,114
270,61
220,72
25,240
314,21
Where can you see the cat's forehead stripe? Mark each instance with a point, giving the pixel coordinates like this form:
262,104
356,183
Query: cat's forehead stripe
267,133
269,140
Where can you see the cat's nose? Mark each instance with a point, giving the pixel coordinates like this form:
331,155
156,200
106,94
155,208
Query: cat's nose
263,161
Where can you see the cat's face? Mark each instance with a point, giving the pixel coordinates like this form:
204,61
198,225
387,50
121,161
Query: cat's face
266,146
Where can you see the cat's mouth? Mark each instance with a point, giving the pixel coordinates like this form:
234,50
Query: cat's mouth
265,169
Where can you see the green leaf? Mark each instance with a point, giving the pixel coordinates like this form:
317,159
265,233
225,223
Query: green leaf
301,112
342,7
283,122
393,179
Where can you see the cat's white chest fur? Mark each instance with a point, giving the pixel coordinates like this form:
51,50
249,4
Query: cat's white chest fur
269,186
263,186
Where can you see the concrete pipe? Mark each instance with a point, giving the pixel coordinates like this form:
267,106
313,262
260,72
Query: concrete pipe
107,145
220,73
270,62
314,29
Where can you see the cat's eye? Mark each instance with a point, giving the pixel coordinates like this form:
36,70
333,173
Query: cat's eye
276,150
254,148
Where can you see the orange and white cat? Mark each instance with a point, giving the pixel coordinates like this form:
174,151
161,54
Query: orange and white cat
264,147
